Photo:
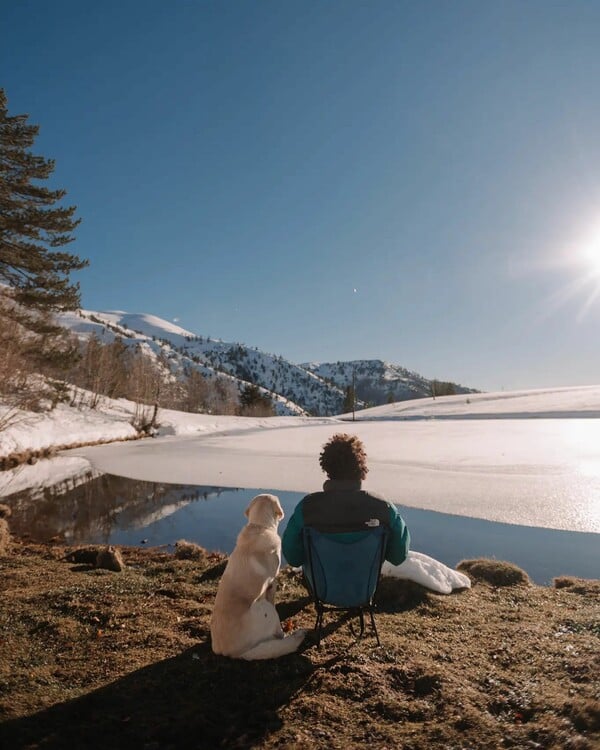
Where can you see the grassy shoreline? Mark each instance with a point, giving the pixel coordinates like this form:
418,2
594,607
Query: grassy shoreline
92,658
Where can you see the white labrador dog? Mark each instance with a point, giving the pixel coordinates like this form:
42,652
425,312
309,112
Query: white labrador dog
245,623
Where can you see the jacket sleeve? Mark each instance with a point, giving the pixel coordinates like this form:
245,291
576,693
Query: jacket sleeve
292,545
397,547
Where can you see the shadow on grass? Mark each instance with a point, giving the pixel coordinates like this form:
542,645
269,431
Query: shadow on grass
212,573
195,700
394,596
397,595
291,608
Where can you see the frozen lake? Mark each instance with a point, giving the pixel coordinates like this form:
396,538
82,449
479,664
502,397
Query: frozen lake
532,472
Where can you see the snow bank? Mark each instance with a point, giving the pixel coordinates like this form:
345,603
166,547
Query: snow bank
427,572
64,425
111,421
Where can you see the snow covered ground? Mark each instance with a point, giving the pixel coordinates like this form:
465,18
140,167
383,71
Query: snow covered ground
482,455
544,403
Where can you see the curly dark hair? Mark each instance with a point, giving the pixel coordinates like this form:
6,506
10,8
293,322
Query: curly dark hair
343,457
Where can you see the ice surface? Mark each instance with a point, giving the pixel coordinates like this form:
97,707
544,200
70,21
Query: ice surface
532,472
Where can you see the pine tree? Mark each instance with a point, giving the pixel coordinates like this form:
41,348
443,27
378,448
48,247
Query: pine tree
31,224
254,403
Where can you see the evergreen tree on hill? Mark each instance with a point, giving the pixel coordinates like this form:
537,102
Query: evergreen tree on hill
32,225
253,403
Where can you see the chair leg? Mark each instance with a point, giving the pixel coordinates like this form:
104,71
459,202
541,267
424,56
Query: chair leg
374,626
361,616
361,619
319,625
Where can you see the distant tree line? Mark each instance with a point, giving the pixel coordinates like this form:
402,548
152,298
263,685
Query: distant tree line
118,370
442,388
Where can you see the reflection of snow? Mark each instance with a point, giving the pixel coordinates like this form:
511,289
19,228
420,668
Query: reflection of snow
61,473
134,516
92,506
163,512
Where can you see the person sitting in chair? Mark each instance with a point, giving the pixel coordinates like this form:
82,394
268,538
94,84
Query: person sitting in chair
343,507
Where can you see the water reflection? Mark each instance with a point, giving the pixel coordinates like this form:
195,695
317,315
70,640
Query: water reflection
99,508
110,509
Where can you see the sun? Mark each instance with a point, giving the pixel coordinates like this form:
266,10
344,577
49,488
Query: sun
579,265
591,257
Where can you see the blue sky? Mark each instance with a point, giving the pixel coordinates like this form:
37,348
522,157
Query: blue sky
244,167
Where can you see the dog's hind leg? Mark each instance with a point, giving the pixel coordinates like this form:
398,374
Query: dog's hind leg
275,647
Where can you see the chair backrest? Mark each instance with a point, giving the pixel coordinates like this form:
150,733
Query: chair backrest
344,573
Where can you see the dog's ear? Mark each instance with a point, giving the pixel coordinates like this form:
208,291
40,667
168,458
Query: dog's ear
277,508
249,508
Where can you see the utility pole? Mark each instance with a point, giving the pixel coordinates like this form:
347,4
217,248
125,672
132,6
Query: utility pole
353,391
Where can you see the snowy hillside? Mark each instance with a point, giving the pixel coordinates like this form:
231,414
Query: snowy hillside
577,402
211,357
376,382
316,389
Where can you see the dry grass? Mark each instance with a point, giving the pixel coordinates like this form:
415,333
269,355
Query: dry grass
4,536
90,658
577,585
494,572
185,550
110,559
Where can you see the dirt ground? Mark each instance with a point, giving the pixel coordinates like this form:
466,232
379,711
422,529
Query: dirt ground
92,658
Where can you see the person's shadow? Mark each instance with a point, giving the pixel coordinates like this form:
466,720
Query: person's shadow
193,700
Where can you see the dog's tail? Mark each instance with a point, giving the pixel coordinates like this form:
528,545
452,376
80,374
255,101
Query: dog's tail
275,647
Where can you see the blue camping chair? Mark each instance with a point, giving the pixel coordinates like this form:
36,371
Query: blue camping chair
343,575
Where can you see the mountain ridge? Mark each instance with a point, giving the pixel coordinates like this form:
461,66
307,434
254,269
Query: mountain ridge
310,388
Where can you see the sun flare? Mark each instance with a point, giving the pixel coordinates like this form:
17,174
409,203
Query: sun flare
579,265
591,257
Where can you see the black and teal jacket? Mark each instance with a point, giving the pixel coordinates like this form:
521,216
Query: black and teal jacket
343,507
